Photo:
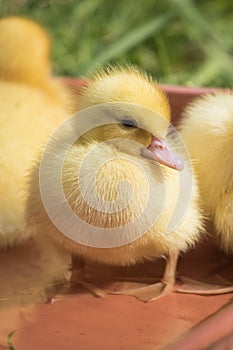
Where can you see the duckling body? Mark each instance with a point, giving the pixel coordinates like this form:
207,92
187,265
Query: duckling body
31,105
132,162
211,118
207,130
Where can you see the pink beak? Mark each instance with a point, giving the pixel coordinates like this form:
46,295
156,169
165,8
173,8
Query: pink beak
160,151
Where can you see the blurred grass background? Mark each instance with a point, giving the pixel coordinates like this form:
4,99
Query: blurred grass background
184,42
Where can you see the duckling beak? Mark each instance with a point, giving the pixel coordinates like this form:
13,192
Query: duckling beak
161,152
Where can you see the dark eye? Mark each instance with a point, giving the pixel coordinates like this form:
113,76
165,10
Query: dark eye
129,123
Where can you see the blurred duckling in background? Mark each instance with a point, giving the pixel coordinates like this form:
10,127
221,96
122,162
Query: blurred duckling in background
32,104
207,130
25,55
142,156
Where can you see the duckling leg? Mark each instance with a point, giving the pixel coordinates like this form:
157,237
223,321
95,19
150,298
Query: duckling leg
78,277
159,289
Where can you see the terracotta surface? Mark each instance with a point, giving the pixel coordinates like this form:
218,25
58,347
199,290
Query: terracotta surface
77,320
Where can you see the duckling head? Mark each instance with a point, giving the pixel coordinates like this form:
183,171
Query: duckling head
140,111
25,51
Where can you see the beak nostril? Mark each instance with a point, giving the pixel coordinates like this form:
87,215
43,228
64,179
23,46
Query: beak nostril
160,146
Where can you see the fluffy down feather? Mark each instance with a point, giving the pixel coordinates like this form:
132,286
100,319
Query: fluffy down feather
207,129
32,104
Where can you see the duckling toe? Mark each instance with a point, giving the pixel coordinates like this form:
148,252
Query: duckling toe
191,286
80,278
92,288
146,293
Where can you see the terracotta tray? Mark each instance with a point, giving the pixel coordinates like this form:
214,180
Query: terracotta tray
80,321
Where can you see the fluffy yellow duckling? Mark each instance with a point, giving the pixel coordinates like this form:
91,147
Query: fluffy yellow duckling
25,52
123,200
32,103
207,130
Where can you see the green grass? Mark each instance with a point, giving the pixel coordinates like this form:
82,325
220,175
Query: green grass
9,340
177,41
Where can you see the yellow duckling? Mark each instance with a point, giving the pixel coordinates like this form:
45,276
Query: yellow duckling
207,130
25,52
120,179
32,103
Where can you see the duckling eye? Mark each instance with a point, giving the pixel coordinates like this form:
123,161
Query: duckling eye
129,123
